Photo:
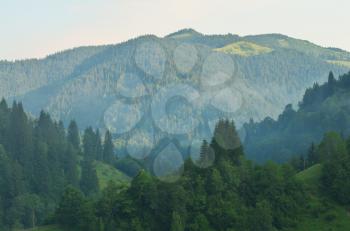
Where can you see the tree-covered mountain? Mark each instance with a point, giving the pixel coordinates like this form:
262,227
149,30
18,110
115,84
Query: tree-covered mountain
323,108
214,76
51,176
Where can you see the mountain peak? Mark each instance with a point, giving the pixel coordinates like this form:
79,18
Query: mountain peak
187,32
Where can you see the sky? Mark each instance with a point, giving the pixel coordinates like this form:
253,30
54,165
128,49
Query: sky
36,28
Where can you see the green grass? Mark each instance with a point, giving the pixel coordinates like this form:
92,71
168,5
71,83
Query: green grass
107,173
244,48
311,178
311,175
324,218
321,214
343,63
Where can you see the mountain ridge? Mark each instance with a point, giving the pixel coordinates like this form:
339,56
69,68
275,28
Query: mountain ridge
87,83
181,31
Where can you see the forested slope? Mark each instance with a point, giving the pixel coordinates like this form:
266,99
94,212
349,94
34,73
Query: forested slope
323,108
39,158
233,77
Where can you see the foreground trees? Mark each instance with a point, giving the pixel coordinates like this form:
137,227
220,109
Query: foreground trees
231,194
38,160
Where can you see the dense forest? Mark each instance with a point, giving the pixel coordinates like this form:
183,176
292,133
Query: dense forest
323,108
49,177
233,194
39,159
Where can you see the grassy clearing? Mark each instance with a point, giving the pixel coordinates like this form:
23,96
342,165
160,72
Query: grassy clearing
321,214
244,48
107,173
343,63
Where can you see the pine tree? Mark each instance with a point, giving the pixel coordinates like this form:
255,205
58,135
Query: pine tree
331,84
206,155
98,146
226,142
4,121
108,149
21,139
312,155
41,173
89,144
73,135
71,166
89,181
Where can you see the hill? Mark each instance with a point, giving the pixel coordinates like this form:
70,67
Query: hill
322,213
213,76
107,173
323,108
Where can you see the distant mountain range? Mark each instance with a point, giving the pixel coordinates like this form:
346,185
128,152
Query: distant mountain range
178,86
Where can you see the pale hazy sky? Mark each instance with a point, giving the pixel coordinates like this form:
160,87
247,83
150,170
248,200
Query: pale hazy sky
35,28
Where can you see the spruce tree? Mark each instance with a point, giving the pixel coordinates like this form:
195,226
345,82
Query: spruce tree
108,149
73,135
71,166
98,146
312,155
89,144
89,181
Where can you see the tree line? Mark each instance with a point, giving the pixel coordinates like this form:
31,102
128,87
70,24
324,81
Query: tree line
39,158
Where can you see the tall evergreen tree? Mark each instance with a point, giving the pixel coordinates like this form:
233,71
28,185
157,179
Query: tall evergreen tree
89,144
71,166
98,146
89,181
108,149
73,135
312,157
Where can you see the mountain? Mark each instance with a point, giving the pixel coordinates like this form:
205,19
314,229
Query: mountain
178,86
323,108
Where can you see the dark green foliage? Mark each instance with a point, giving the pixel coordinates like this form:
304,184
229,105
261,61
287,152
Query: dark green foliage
37,161
89,181
230,194
312,157
324,108
336,169
92,145
75,211
108,149
73,135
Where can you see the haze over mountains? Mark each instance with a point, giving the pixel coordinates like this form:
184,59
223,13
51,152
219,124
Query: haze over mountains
179,85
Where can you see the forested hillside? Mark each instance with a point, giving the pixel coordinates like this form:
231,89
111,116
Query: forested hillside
324,108
212,76
232,194
48,177
39,158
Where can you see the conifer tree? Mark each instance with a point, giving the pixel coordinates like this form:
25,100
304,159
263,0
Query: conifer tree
312,155
89,144
98,146
89,181
108,149
73,135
